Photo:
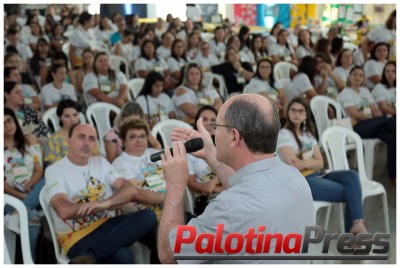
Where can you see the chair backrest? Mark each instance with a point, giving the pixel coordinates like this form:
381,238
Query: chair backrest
97,46
98,115
61,258
282,69
319,107
208,79
51,115
135,85
116,62
165,127
9,237
334,141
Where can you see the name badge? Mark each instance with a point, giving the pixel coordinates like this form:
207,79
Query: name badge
287,58
240,80
105,88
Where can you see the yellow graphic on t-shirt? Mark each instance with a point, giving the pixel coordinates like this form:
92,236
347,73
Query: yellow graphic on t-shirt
94,191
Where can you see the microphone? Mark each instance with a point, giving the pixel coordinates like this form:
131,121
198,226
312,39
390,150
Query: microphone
191,146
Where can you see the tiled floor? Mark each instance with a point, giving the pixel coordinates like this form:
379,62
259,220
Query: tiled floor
373,213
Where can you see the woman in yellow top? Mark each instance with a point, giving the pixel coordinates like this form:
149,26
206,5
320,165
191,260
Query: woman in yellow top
56,146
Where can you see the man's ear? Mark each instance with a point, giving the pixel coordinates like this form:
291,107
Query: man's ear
235,137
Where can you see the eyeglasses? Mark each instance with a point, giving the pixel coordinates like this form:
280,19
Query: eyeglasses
299,111
213,125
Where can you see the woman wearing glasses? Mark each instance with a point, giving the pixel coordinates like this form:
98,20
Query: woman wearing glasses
297,146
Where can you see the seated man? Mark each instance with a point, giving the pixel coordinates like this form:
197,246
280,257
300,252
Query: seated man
80,189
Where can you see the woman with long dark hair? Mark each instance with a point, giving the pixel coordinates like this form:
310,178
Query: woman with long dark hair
368,121
23,175
374,66
306,46
385,92
297,146
155,104
105,84
282,50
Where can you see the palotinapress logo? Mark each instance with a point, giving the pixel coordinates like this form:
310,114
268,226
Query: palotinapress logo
258,245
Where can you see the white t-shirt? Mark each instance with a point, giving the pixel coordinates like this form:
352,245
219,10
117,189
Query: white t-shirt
381,93
281,51
301,52
135,53
206,62
373,67
175,65
287,138
28,91
126,49
331,90
382,34
201,169
81,184
163,52
19,168
218,49
271,40
51,95
24,51
299,86
194,13
159,107
207,96
362,101
342,72
157,64
103,35
80,39
256,85
103,83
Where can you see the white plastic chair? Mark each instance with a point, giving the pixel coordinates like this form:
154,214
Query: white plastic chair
282,69
61,258
98,115
51,115
135,85
319,108
334,141
208,82
189,201
10,237
116,61
328,205
165,127
97,46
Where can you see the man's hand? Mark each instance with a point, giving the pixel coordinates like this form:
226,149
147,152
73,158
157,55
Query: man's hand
185,134
175,169
93,207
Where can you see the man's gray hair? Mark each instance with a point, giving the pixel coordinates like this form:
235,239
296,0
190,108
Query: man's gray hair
258,128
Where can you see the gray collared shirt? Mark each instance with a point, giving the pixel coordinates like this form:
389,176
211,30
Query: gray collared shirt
266,193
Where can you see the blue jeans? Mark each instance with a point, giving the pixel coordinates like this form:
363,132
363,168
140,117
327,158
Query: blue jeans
339,186
32,203
110,242
384,129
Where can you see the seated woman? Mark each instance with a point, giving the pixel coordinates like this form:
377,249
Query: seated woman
205,58
12,74
29,119
155,104
112,141
56,89
263,83
105,84
193,46
40,61
368,121
306,46
204,183
256,51
282,50
164,51
235,72
384,92
124,47
297,146
87,68
135,165
148,61
302,81
217,44
344,63
190,94
23,173
177,60
56,146
326,81
374,66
